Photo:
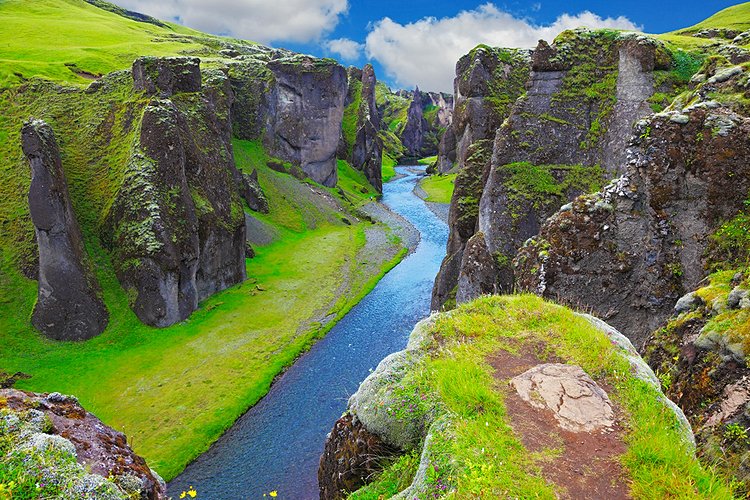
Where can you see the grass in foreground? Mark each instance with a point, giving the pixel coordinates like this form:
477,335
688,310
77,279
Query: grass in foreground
481,457
439,188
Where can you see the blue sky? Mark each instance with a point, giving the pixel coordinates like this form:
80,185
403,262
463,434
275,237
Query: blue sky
417,42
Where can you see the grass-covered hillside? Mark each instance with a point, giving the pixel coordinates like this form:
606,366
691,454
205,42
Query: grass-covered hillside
75,41
173,390
735,18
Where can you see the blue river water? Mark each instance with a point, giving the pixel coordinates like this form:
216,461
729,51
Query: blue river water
277,444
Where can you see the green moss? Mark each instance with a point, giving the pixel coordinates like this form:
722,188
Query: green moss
730,245
542,186
351,115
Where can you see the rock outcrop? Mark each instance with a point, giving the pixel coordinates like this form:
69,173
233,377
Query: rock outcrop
629,252
294,104
562,139
577,402
361,144
412,404
367,151
80,456
176,228
488,82
69,304
417,120
700,356
306,110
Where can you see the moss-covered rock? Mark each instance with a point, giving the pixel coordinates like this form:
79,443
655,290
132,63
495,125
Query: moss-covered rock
629,252
700,357
50,447
585,92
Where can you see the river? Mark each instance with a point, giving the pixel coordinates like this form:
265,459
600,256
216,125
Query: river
276,445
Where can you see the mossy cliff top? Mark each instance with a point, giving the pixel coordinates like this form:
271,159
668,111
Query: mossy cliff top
454,427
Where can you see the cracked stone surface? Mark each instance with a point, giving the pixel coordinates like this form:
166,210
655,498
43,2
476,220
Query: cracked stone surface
578,403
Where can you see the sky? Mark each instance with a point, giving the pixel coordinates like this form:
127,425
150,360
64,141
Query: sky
417,42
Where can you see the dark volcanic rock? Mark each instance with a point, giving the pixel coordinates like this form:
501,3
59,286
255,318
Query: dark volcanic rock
306,109
164,76
567,133
69,306
629,252
177,228
351,456
253,194
367,151
462,220
55,418
488,82
413,134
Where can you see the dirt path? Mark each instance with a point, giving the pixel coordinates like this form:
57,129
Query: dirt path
583,465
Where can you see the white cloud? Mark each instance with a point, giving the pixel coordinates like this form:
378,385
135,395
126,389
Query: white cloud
425,52
346,49
259,20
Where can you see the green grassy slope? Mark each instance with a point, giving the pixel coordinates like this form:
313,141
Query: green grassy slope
736,18
174,390
439,188
59,39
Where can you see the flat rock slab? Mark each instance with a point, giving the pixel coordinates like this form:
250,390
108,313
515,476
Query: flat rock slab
578,403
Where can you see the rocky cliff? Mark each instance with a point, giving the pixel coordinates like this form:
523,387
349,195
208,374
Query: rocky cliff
418,120
488,82
176,227
361,144
631,251
69,304
561,139
476,390
53,448
295,104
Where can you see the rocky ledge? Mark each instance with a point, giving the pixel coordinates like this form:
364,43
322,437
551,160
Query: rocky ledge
51,447
508,397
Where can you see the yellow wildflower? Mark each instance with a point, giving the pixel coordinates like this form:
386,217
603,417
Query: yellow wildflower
192,493
183,494
274,493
